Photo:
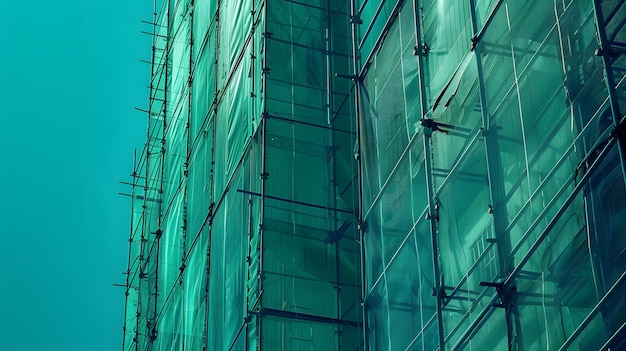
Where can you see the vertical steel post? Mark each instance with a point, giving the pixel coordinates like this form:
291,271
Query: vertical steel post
354,21
332,159
211,214
188,145
263,172
497,192
433,217
605,51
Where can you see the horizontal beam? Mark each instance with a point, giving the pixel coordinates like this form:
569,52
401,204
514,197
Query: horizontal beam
295,202
306,317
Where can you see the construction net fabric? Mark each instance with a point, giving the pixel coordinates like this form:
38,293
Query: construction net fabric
246,198
488,196
381,175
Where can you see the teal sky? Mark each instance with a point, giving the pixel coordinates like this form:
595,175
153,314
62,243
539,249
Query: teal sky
70,77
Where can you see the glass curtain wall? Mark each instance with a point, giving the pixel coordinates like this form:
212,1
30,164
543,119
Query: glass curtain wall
245,197
491,144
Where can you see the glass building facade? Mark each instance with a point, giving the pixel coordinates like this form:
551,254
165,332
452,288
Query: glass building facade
381,175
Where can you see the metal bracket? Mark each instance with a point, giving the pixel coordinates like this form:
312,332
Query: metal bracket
421,50
505,294
356,19
620,132
475,39
434,126
352,77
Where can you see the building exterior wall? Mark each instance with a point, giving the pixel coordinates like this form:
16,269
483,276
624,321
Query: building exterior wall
490,175
381,175
245,202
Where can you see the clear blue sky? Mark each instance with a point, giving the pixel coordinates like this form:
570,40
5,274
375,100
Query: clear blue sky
69,78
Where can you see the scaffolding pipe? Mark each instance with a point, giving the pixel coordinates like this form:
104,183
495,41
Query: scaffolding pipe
599,306
605,51
517,271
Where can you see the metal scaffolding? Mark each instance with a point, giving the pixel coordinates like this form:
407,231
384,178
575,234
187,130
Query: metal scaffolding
381,175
